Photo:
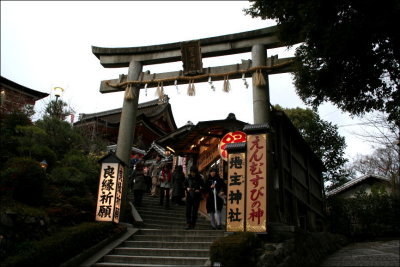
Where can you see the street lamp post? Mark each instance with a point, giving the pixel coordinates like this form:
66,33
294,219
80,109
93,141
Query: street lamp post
57,107
58,92
43,164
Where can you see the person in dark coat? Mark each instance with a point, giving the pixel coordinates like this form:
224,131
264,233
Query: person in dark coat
165,185
178,179
139,184
194,185
216,188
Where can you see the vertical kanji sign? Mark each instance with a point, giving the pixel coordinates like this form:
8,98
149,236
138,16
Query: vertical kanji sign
118,194
110,191
256,183
236,197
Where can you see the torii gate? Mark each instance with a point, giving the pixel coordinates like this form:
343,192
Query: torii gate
257,42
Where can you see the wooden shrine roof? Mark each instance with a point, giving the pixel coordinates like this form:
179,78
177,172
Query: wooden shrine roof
147,111
183,138
20,88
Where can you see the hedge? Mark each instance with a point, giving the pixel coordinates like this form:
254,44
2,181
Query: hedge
60,247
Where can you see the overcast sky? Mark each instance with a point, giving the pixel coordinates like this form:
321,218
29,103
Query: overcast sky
48,43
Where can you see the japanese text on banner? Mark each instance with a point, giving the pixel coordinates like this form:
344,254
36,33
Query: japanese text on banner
236,192
256,183
106,192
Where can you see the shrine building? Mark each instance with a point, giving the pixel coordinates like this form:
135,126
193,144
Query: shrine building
294,187
154,120
14,96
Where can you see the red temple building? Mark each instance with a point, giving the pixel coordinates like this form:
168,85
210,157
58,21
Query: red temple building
154,119
14,96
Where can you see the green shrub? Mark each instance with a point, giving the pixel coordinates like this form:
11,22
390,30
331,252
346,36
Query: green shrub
365,216
70,180
238,249
24,180
8,136
62,246
311,248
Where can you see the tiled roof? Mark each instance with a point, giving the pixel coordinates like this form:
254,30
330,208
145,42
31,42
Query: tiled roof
37,94
147,108
354,182
134,149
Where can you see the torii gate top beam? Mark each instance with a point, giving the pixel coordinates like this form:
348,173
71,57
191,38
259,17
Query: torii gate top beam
210,47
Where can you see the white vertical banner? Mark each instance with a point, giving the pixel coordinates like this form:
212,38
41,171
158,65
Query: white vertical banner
107,192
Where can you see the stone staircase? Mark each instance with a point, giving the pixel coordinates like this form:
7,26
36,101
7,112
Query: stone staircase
163,240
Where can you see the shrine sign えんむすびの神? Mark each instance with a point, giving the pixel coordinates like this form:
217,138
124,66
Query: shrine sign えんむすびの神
256,183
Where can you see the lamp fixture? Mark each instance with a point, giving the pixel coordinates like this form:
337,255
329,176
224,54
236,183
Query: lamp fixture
173,151
58,92
43,164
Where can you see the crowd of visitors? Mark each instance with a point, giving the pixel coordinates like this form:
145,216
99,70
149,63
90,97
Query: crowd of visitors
161,182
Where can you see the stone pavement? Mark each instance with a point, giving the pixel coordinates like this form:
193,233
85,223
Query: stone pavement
373,253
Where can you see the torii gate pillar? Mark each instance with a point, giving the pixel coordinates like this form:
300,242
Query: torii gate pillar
128,116
127,129
261,109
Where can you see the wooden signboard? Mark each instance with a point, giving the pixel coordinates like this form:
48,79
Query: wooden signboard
208,156
236,194
191,58
110,193
256,183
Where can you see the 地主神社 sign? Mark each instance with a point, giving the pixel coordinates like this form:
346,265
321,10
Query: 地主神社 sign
236,196
110,192
256,183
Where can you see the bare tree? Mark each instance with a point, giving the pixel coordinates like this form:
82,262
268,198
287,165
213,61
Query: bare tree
378,131
385,138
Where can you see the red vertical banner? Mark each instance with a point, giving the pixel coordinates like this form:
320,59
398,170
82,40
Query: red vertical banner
256,183
236,194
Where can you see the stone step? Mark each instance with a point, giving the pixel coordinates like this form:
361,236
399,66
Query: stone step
162,220
171,218
165,214
173,252
155,201
199,226
163,240
167,244
113,264
159,215
210,233
147,205
172,238
156,260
